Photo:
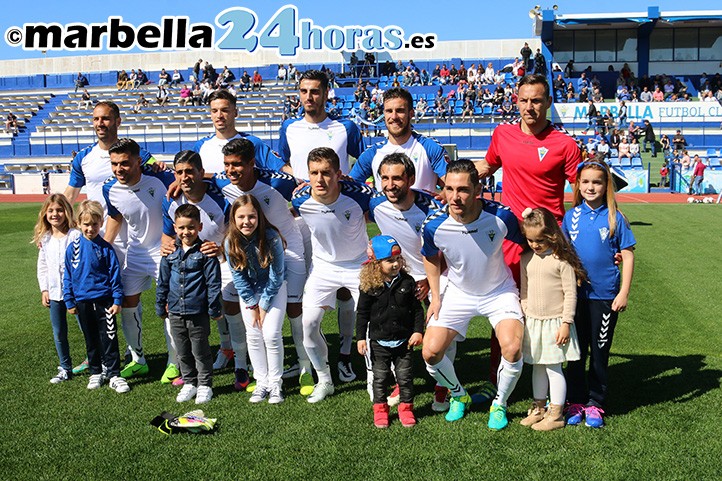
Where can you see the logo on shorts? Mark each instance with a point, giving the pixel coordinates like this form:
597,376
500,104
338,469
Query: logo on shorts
542,151
603,233
347,214
267,200
151,191
491,234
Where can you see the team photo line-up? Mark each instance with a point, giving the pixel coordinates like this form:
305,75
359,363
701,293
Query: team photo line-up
237,233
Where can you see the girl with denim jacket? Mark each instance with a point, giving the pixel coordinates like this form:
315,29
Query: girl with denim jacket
255,252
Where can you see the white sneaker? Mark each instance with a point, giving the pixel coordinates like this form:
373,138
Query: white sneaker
61,376
292,372
276,396
205,394
187,392
96,380
320,392
259,395
345,372
119,385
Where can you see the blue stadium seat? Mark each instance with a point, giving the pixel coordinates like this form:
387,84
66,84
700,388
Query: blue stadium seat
625,162
637,162
614,162
613,153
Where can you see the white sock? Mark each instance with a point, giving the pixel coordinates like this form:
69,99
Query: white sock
507,376
346,324
313,339
451,351
445,375
237,331
324,375
131,318
223,333
170,344
539,381
557,384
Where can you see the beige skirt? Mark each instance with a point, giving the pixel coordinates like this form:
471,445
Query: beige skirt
539,346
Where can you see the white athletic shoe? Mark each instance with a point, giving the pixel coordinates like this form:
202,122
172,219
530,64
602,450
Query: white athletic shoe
96,380
119,385
276,395
292,372
187,392
320,392
259,395
61,376
345,372
205,394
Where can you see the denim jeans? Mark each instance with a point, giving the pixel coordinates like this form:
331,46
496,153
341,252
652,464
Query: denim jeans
381,359
59,321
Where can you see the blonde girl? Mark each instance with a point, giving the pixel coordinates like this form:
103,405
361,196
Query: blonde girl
54,231
600,234
255,252
550,272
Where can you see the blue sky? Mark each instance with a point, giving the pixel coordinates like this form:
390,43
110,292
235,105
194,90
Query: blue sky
459,20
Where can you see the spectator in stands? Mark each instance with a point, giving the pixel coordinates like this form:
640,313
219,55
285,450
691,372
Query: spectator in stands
281,74
634,147
623,94
684,159
453,75
257,81
443,109
122,82
597,96
679,141
185,96
668,89
163,77
583,95
206,91
292,73
444,75
571,96
559,87
540,63
81,81
583,81
245,81
603,148
209,73
141,79
624,149
132,78
421,107
615,139
197,95
569,68
507,108
657,95
295,105
487,77
468,110
634,131
462,72
649,137
85,101
646,95
664,144
45,179
709,97
608,122
176,79
436,73
471,74
486,99
141,103
525,53
334,110
622,114
362,113
197,70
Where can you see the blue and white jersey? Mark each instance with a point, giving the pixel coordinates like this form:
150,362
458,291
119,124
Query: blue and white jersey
298,137
214,214
91,168
405,226
273,191
588,231
141,206
428,156
473,251
338,230
210,149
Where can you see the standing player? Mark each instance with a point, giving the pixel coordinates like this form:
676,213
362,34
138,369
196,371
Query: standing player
273,191
213,207
223,112
428,156
297,138
335,212
135,199
537,158
467,234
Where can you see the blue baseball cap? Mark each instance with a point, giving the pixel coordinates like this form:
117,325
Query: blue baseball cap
383,247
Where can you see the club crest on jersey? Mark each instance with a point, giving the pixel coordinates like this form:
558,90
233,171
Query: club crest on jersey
491,234
603,233
417,227
267,200
151,191
347,214
542,151
211,217
329,134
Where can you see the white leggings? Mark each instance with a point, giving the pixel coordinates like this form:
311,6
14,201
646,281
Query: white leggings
265,344
549,377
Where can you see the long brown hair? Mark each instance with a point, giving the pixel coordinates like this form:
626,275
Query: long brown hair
235,240
372,278
543,219
610,200
43,227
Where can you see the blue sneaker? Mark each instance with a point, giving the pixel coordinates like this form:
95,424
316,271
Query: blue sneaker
497,417
457,407
594,418
575,414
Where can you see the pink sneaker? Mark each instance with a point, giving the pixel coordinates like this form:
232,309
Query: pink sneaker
594,417
178,382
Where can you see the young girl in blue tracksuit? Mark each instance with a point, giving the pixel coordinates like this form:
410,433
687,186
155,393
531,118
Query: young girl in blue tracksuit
598,232
92,289
54,231
255,252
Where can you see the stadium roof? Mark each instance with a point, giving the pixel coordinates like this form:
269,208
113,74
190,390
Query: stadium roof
632,19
